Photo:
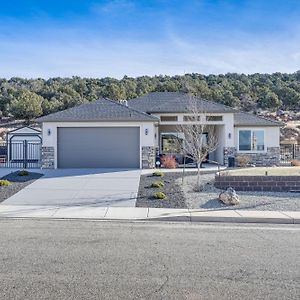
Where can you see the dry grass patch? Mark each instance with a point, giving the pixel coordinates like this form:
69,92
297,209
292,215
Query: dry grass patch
263,171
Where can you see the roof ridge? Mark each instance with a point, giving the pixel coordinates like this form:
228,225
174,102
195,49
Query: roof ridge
213,102
164,104
130,108
101,109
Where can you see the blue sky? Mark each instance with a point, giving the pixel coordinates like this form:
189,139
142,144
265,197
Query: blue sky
112,38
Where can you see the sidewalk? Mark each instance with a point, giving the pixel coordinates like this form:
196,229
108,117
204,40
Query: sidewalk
149,214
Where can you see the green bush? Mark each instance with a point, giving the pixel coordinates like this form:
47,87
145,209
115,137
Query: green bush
158,174
159,195
157,184
23,173
4,183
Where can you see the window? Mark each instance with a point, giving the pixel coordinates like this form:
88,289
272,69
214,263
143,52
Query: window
171,143
168,118
251,140
214,118
191,118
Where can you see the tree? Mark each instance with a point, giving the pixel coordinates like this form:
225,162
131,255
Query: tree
27,105
266,91
199,138
268,99
247,102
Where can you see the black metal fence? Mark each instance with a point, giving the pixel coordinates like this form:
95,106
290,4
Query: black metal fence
21,154
288,153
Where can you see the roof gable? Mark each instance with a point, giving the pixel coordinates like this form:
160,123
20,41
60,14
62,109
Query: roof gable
100,110
25,129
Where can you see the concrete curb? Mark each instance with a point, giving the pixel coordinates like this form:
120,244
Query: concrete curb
148,214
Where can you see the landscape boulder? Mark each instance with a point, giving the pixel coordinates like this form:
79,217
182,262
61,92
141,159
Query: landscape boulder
229,197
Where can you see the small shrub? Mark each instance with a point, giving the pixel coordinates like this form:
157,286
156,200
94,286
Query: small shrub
243,160
4,183
157,184
23,173
158,174
159,195
295,163
168,161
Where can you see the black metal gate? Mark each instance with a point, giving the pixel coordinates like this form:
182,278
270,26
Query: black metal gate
22,154
288,153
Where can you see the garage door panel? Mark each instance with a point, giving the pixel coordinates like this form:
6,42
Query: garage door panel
99,147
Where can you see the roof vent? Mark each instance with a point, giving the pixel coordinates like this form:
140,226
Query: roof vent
124,102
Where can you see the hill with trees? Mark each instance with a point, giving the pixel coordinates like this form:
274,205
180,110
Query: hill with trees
30,98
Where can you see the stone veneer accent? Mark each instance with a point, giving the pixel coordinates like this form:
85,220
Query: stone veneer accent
148,157
228,151
269,158
259,183
48,157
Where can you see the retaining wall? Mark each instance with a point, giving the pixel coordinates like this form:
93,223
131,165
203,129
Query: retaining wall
259,183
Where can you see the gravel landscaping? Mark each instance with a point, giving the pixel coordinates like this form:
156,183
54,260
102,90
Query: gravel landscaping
173,191
207,197
17,184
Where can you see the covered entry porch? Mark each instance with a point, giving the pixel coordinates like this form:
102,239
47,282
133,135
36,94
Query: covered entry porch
170,140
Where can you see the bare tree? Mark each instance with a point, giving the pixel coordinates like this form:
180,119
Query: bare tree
199,138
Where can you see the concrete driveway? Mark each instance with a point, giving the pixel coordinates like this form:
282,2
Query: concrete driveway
81,187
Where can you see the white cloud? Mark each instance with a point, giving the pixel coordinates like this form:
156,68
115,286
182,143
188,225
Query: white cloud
113,6
91,56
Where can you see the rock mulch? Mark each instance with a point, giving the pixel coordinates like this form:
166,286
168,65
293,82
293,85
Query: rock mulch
17,183
173,191
207,197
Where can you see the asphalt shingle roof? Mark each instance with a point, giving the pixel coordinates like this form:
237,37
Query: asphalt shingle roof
178,102
138,109
101,110
248,119
174,102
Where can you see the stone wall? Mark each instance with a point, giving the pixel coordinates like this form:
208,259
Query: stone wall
148,157
269,158
48,157
229,151
259,183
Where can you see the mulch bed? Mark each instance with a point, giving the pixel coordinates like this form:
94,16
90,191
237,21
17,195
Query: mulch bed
173,191
17,183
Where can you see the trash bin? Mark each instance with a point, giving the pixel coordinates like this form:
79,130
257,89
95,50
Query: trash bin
231,162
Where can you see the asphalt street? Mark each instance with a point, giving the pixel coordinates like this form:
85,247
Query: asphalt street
43,259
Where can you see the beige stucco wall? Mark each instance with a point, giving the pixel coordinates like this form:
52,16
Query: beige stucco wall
227,123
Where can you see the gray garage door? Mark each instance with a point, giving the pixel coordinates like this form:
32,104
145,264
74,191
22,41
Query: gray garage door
105,147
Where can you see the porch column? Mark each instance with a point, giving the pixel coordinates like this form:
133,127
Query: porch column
229,138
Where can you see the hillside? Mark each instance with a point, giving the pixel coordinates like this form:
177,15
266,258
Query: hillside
29,98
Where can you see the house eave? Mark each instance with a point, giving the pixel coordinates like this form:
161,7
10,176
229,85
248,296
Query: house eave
189,112
93,121
258,125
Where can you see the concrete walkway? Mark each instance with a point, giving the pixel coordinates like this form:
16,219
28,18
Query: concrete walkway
80,188
148,214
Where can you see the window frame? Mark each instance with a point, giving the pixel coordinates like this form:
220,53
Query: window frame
172,118
251,130
207,118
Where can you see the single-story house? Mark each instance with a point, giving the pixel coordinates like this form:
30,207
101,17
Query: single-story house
109,134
